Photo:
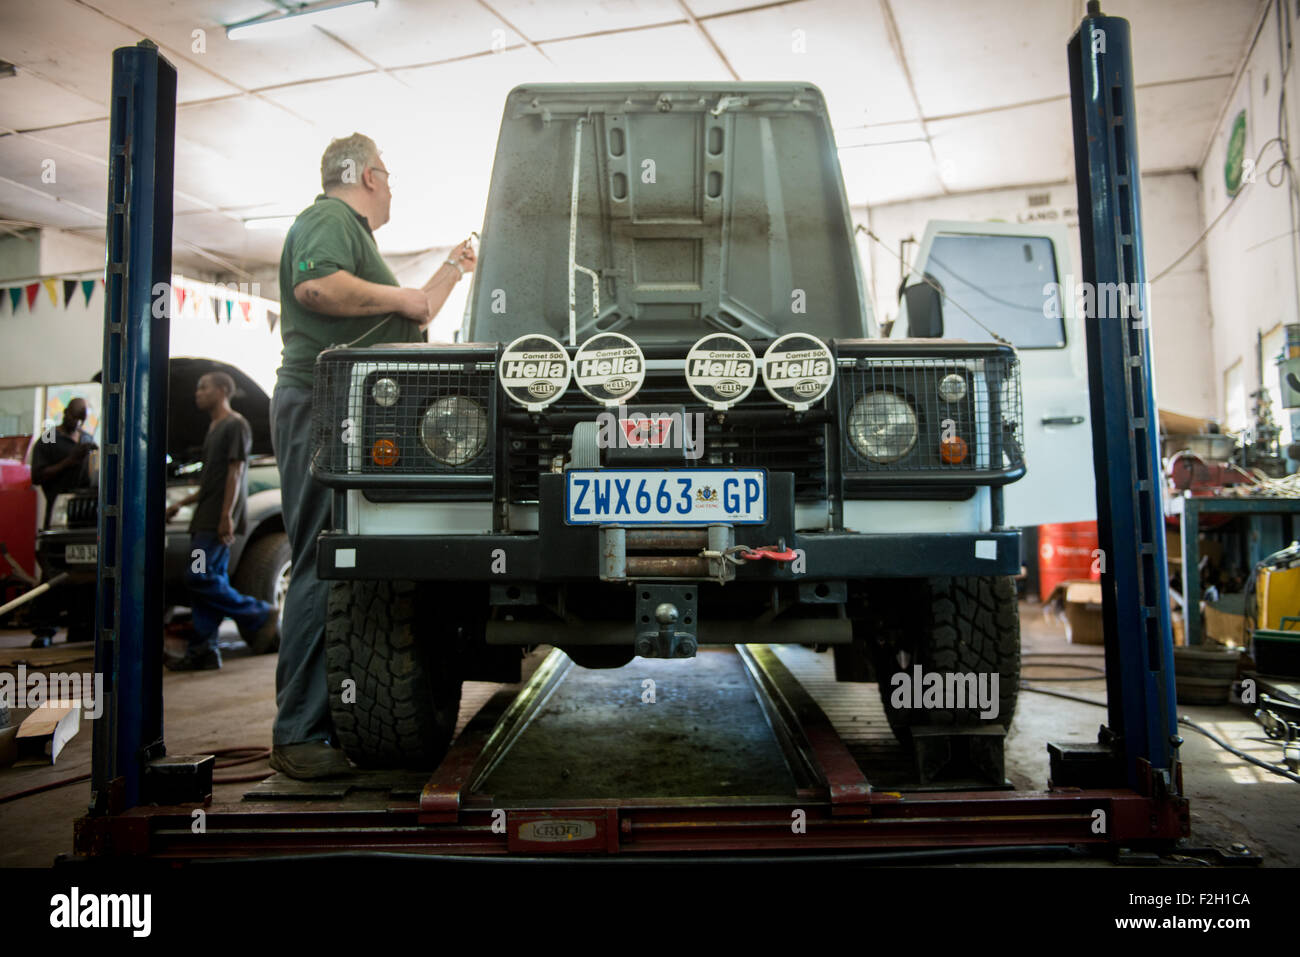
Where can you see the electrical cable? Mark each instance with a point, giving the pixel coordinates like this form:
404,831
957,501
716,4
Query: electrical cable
1062,694
1284,772
863,229
1287,171
238,756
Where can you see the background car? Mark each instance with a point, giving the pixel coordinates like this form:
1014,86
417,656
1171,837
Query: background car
259,559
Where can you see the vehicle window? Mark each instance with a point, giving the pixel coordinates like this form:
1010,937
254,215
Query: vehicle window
999,280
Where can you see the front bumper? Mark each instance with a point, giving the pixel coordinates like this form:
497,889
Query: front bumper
51,552
557,552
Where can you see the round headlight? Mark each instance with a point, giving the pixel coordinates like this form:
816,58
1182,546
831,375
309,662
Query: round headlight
952,388
882,427
454,429
385,392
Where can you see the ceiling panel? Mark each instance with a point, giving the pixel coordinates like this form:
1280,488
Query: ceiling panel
841,45
676,53
1187,38
547,20
409,32
1176,121
27,102
1031,144
971,56
225,66
888,173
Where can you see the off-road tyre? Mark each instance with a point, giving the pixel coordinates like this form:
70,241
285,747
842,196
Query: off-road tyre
966,625
394,685
263,573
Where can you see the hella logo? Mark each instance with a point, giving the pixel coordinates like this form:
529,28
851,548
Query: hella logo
557,831
618,385
728,387
541,389
807,387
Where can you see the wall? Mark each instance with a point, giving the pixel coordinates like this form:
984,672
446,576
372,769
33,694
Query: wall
1179,303
1252,251
51,343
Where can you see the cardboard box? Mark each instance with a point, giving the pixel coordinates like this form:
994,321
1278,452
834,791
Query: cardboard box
46,730
1081,601
1225,621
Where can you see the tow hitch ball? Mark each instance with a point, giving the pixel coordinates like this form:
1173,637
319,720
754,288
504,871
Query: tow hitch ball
665,621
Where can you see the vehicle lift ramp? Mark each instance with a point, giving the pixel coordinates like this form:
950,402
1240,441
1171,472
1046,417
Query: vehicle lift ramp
141,805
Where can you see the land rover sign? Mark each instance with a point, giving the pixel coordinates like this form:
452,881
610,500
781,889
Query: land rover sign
609,368
534,371
721,369
798,370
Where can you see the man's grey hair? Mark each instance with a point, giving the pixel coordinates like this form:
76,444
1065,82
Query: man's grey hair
344,160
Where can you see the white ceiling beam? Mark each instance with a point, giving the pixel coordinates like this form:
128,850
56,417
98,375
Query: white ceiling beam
896,43
704,35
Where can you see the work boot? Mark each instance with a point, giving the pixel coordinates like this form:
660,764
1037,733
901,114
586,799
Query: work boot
309,760
207,660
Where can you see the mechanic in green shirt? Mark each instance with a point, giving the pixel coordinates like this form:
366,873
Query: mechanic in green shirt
335,289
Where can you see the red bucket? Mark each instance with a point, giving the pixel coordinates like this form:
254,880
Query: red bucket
1066,552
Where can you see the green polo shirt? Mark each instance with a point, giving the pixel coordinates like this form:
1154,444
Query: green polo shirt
327,236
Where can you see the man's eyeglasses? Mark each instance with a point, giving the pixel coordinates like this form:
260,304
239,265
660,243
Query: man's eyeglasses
387,176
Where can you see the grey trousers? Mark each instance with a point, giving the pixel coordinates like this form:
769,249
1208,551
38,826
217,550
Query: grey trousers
302,696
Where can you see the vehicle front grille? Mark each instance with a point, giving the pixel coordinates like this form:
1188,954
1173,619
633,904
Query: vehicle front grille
438,421
83,511
906,427
762,433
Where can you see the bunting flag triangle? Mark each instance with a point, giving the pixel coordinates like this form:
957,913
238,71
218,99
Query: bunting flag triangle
69,287
230,306
216,310
52,286
272,317
180,299
32,290
87,287
15,297
246,307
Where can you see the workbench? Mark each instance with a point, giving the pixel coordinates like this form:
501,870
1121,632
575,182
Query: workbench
1264,538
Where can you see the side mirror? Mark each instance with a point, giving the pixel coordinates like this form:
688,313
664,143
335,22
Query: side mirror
924,311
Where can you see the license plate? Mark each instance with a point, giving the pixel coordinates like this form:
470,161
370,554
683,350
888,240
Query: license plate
81,554
665,496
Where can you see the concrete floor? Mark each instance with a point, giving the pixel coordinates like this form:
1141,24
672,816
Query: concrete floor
1231,800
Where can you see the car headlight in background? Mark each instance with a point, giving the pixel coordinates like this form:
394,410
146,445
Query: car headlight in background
174,494
952,388
882,427
454,429
385,392
59,511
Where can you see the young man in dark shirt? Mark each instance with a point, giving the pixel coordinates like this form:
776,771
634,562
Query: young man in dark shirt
62,463
219,507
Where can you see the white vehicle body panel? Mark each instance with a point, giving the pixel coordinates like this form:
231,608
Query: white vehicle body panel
1059,484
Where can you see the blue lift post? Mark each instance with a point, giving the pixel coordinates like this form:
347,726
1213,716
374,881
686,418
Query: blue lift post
1141,733
132,479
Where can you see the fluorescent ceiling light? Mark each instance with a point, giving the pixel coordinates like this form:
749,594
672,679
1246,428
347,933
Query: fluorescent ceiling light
331,13
269,222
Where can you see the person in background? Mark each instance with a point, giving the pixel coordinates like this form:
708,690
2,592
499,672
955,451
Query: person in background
61,456
219,504
335,288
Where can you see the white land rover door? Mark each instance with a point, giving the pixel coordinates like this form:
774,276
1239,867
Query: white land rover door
999,277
